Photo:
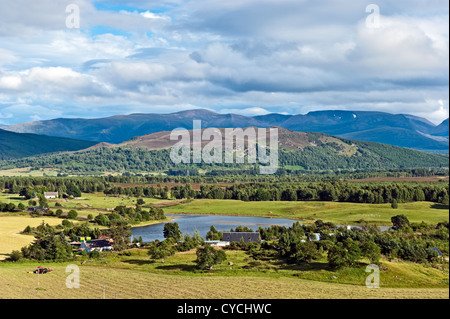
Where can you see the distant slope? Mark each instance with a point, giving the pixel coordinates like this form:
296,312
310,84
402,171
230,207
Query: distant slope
442,129
308,151
403,138
16,145
396,129
161,140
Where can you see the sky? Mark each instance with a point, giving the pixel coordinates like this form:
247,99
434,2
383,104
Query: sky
88,59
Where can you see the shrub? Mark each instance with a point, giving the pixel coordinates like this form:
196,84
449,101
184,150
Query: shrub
102,220
15,256
208,256
72,214
345,253
394,204
399,222
371,250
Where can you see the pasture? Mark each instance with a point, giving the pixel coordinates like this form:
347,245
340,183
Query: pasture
136,276
336,212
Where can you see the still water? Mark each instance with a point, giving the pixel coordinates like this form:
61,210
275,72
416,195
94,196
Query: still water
188,224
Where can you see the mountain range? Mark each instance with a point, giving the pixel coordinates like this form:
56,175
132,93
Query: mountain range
395,129
298,151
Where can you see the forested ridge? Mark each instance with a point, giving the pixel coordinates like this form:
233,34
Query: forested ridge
329,157
332,190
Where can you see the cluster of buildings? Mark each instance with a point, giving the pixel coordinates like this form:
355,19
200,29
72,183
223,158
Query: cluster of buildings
103,243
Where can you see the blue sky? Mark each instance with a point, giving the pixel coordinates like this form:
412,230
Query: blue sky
249,57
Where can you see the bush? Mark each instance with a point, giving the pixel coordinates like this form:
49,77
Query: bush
394,204
67,224
27,230
161,250
372,252
15,256
72,214
306,252
345,253
95,254
102,220
399,222
208,256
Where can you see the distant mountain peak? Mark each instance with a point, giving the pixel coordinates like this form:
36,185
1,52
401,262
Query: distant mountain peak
373,126
196,112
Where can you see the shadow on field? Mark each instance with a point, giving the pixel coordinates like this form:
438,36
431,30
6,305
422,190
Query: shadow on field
16,198
140,262
440,206
180,267
314,266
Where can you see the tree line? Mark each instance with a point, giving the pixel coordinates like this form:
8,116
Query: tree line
372,193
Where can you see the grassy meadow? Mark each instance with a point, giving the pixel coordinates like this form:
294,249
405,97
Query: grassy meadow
134,275
336,212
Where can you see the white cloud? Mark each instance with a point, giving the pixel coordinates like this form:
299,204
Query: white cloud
150,15
251,111
243,56
10,82
402,48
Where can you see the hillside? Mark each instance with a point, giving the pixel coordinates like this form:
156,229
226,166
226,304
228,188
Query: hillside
16,145
161,140
300,151
396,129
442,129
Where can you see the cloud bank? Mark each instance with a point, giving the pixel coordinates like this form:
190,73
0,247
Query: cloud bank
250,57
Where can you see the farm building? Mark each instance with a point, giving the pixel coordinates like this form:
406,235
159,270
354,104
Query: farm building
217,243
49,195
96,244
253,237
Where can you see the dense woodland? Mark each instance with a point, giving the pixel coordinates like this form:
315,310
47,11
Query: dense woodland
271,190
326,157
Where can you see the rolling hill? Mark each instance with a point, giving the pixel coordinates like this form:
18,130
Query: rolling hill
17,145
396,129
301,151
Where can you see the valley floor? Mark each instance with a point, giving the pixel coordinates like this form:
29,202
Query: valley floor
136,276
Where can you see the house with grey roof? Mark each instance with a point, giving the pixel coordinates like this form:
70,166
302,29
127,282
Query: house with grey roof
96,244
253,237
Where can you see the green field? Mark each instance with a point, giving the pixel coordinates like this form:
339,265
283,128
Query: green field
136,276
339,213
28,172
85,205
